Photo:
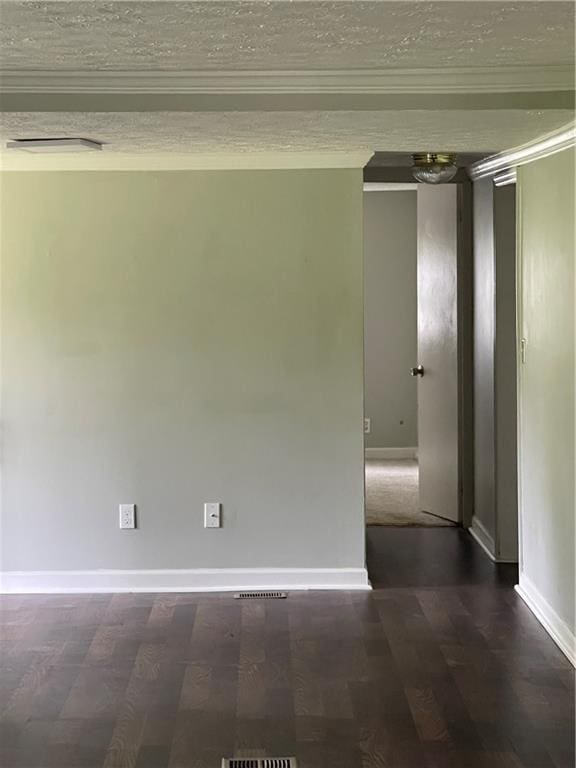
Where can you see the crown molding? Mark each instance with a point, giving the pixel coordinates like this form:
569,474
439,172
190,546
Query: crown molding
505,178
390,186
14,160
543,146
528,79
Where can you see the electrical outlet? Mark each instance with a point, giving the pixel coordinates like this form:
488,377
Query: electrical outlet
212,514
127,516
367,426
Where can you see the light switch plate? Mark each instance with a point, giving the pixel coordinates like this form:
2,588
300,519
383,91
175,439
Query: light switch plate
127,516
212,514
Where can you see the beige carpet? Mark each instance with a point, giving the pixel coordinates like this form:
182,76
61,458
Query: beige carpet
392,494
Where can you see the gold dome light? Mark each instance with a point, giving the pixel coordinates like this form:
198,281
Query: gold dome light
434,167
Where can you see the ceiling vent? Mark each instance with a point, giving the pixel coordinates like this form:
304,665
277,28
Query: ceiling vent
260,762
47,146
260,595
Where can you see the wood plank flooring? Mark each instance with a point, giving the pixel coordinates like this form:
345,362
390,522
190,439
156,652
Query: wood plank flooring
441,666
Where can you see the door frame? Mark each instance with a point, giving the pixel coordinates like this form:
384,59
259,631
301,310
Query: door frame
465,339
392,182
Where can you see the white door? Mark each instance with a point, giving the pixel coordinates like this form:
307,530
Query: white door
438,350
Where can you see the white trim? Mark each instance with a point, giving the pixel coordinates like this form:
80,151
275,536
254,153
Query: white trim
184,580
556,627
456,80
505,178
389,186
544,146
120,161
391,453
480,534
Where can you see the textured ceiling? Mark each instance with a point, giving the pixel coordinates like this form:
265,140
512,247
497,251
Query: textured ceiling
279,35
215,132
283,35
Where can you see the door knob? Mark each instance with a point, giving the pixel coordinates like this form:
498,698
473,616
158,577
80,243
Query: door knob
418,371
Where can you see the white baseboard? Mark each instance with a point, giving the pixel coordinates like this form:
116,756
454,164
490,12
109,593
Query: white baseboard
556,627
481,536
197,580
391,453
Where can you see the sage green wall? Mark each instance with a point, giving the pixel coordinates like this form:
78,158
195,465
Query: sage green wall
390,314
484,309
546,394
495,428
505,361
171,338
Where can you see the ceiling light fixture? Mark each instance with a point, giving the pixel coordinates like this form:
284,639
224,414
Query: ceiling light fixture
434,167
38,146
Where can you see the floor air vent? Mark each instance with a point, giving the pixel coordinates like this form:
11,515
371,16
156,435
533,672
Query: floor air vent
262,596
260,762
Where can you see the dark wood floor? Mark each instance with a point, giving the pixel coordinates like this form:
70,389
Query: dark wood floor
441,666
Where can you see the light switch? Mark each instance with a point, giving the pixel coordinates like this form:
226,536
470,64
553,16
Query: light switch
212,514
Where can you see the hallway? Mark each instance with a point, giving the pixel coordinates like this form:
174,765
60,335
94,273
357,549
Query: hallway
440,666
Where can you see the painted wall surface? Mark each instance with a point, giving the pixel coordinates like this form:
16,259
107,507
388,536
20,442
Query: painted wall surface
390,249
546,380
495,455
175,338
484,352
506,407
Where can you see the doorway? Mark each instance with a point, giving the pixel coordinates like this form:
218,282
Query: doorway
412,373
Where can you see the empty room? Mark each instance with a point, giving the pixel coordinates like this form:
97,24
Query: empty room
287,384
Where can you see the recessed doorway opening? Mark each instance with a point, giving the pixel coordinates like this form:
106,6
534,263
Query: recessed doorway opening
412,367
